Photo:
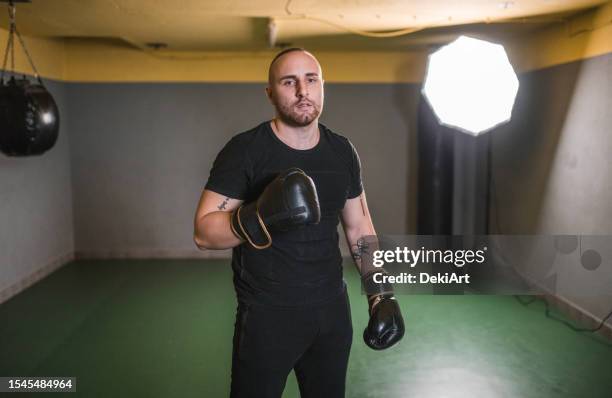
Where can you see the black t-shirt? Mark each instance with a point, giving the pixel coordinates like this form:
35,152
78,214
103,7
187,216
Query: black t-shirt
302,266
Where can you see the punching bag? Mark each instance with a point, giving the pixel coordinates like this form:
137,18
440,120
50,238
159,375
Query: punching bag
29,118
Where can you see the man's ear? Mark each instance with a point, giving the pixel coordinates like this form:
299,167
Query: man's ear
269,94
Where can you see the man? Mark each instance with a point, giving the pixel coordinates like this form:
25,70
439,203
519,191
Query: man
275,195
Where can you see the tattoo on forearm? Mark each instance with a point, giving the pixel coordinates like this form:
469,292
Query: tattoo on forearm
359,249
223,205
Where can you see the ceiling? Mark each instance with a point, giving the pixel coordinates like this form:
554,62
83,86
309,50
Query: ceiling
251,25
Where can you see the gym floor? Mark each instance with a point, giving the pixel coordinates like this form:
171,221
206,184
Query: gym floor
160,328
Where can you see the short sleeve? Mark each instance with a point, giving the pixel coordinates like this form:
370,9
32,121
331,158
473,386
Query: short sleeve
355,185
229,173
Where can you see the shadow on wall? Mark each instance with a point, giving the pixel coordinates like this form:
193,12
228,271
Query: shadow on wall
523,150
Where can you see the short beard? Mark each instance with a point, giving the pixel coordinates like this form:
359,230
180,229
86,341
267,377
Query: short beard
295,119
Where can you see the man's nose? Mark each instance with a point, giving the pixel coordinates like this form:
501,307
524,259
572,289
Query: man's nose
301,89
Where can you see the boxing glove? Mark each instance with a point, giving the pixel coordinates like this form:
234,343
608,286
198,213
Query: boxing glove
386,325
290,201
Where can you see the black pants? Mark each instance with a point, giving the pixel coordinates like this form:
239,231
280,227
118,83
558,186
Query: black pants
269,342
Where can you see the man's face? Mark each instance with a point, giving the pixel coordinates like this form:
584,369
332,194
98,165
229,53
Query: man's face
296,88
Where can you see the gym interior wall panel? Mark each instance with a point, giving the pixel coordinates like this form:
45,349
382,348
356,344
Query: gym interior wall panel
552,164
36,230
141,155
581,36
380,120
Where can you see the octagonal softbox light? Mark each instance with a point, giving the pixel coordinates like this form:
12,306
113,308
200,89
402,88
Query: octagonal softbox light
471,85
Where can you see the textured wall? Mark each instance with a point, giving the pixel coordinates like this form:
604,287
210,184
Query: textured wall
141,154
36,228
553,162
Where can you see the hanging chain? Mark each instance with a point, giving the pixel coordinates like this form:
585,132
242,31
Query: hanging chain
12,11
10,46
6,53
25,49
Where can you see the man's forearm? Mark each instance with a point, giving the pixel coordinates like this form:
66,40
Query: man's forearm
363,243
213,231
358,245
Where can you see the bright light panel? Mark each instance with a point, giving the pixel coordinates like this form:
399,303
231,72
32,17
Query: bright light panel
471,85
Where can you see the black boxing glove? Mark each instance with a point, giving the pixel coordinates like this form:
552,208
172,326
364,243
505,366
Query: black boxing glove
386,325
290,201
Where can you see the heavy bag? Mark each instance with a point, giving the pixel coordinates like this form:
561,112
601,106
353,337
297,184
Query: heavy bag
29,118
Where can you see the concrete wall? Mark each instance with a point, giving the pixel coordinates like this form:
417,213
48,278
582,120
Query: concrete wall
141,154
552,165
36,221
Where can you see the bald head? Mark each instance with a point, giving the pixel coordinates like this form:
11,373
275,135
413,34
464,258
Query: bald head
292,53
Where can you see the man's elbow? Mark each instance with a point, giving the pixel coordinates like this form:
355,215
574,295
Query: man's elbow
200,235
201,240
203,243
200,243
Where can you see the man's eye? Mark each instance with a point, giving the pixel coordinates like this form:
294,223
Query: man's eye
312,80
288,83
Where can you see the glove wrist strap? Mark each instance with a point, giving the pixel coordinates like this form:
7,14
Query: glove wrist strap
372,288
241,231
